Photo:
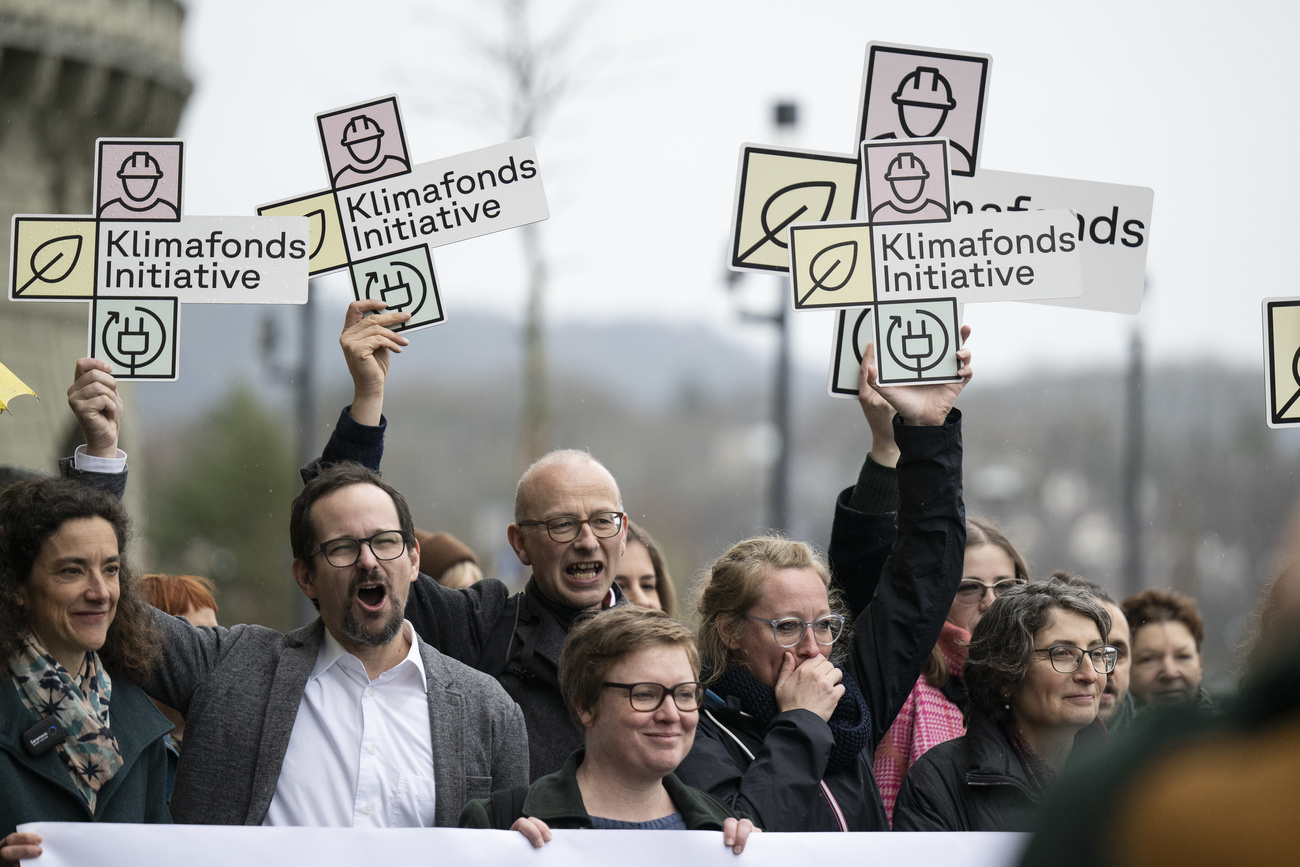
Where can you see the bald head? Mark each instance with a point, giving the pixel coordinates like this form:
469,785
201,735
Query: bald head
552,469
576,573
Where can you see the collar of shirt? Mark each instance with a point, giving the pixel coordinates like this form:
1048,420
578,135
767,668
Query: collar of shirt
334,655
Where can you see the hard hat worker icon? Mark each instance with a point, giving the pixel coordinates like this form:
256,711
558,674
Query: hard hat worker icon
359,129
363,137
925,101
907,176
924,98
139,174
140,165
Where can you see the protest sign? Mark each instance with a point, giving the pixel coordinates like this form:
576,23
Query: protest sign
138,257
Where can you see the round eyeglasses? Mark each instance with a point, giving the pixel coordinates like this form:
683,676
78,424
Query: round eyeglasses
970,591
565,528
687,696
1066,658
344,551
789,631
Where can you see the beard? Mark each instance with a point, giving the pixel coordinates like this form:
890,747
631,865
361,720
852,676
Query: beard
377,629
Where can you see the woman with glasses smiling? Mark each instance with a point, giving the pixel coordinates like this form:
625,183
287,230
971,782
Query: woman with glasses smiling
630,677
1035,673
934,711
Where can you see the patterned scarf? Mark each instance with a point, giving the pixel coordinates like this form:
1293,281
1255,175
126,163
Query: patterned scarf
1037,770
850,724
80,704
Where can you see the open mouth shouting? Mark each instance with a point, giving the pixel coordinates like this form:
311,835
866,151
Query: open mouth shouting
371,593
584,574
375,619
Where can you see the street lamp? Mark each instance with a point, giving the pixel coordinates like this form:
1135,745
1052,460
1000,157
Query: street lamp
785,116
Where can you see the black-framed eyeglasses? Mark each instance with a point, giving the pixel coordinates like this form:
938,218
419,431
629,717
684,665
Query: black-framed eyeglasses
789,631
970,591
1066,658
344,551
565,528
687,696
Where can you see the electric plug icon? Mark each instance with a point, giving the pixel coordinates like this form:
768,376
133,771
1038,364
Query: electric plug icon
131,343
401,290
917,346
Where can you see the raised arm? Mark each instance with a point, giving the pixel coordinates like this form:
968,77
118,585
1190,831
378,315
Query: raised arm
368,344
893,636
864,529
94,400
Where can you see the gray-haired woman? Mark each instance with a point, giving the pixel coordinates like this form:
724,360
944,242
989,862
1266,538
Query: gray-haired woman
1035,673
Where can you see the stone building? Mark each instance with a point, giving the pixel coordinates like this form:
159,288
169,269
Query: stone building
70,72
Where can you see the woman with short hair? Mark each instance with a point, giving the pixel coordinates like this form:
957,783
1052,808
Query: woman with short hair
1036,668
1167,631
81,742
630,677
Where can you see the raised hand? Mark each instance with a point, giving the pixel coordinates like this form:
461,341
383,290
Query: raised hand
880,418
95,402
368,342
920,405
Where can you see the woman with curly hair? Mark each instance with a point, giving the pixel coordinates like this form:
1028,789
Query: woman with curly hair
81,742
1035,672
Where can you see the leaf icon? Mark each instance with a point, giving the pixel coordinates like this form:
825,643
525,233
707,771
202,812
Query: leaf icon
54,260
837,261
790,203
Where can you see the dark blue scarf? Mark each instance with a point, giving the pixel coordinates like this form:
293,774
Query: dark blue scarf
850,724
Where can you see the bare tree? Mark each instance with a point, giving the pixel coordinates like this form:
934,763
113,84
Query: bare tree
530,73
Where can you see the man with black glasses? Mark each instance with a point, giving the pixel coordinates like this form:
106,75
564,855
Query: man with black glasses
350,721
569,528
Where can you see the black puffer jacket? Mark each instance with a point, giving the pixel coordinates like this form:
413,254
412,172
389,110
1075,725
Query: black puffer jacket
974,783
781,786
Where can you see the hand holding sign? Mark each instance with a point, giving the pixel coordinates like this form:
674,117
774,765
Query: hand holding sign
19,846
95,402
927,404
880,418
367,342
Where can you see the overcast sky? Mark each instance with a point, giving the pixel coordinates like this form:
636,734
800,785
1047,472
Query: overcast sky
1192,99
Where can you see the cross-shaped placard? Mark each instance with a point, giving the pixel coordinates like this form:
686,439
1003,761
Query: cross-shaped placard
921,229
139,257
382,215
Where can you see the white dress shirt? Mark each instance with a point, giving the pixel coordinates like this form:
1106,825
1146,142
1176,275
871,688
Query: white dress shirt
360,754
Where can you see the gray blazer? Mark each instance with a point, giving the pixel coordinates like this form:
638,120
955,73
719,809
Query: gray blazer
239,691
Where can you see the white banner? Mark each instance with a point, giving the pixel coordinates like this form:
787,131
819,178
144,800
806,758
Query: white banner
69,844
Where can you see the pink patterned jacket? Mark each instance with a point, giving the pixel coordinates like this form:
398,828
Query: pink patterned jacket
927,719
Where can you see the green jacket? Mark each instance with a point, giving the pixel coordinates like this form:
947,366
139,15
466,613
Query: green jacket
39,789
556,800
